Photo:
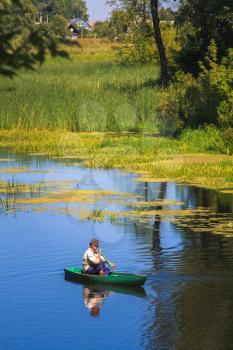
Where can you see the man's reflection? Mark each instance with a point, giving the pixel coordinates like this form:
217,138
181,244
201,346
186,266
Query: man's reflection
94,298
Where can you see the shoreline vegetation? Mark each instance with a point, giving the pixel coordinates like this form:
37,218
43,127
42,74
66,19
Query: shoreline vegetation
154,158
94,109
90,91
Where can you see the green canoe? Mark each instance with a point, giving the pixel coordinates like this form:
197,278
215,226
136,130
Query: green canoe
115,278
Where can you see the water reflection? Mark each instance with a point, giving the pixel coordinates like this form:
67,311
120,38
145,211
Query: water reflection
94,299
94,296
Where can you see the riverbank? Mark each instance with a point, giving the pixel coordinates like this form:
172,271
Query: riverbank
116,106
156,158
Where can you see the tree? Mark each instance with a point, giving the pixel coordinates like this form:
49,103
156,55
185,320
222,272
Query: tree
159,43
118,23
58,25
142,11
22,42
102,29
66,8
114,28
199,22
79,9
166,14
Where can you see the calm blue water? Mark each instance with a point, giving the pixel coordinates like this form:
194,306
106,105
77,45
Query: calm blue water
186,303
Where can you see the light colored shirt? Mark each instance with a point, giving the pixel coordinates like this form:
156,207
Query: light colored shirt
91,258
94,299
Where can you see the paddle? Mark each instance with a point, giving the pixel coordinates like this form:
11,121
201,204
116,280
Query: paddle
108,262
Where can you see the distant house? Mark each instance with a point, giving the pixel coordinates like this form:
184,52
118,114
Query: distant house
77,27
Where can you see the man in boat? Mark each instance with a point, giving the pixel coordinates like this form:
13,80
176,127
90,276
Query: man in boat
94,262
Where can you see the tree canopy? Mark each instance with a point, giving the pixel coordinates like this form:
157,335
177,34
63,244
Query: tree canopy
199,22
23,43
66,8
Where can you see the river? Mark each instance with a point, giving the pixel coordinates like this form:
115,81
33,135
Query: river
180,236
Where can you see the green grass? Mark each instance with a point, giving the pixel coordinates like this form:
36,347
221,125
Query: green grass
207,139
88,92
91,92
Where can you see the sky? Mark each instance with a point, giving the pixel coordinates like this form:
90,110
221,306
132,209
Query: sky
98,9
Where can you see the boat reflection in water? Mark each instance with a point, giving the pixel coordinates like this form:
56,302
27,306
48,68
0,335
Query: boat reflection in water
95,295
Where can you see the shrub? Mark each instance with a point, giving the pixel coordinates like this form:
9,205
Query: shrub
138,45
227,138
193,102
225,111
207,139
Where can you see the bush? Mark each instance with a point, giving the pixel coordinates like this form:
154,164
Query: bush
227,138
193,102
225,111
138,46
207,139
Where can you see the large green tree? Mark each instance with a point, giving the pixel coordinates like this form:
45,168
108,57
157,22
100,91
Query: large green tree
23,43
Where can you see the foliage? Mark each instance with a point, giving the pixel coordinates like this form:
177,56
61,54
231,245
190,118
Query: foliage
199,22
137,10
114,28
65,8
166,14
207,99
208,139
221,79
58,26
22,42
118,23
139,46
138,38
102,29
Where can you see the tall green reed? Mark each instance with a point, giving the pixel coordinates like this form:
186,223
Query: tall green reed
76,95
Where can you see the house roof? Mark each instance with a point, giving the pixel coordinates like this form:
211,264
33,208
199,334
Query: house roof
77,22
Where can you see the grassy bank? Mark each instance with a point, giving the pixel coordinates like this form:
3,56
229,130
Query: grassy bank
91,92
155,158
88,92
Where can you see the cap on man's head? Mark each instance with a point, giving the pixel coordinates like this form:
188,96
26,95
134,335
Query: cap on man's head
95,242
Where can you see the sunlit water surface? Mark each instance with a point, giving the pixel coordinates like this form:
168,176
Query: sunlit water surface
187,300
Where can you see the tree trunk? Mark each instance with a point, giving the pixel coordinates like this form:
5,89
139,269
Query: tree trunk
159,43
